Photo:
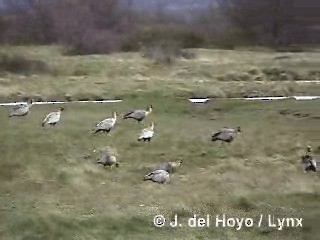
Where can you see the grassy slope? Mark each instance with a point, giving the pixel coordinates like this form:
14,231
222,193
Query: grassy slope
51,188
100,76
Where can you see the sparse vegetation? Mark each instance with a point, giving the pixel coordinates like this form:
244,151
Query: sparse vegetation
20,64
215,73
106,26
40,182
166,53
51,185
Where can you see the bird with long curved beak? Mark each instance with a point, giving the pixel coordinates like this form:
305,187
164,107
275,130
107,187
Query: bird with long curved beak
21,109
53,118
139,115
107,124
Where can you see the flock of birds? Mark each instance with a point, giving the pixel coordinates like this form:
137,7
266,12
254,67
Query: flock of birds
160,173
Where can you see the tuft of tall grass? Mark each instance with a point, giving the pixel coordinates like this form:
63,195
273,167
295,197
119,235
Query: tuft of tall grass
20,64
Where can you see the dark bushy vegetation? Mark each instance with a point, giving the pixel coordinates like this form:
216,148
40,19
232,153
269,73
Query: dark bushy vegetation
104,26
165,52
84,27
163,34
20,64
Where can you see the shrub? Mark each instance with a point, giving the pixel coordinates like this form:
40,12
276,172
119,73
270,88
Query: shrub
94,42
164,53
177,35
275,74
272,71
20,64
291,48
245,204
313,75
3,26
188,54
235,77
253,71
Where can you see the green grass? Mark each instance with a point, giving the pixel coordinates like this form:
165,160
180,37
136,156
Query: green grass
51,187
217,73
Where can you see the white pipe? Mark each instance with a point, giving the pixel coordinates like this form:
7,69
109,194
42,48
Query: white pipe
204,100
60,102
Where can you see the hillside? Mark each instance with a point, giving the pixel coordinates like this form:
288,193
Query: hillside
44,73
52,188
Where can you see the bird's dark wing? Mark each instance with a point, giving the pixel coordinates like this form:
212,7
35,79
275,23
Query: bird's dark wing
128,114
103,159
138,114
224,135
217,134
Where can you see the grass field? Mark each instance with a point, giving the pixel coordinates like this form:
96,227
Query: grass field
216,73
51,187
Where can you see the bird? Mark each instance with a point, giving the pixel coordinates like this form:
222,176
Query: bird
108,160
226,134
52,118
21,109
308,150
138,115
147,133
159,176
107,124
309,163
170,167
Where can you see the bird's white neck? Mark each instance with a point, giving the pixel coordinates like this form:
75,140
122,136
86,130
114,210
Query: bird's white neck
149,111
114,115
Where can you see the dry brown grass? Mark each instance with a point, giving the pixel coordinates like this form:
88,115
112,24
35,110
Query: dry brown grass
217,73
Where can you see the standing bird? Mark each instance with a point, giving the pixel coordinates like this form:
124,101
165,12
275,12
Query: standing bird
307,160
309,150
147,133
159,176
107,124
52,118
226,134
20,109
170,167
108,160
309,163
138,115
